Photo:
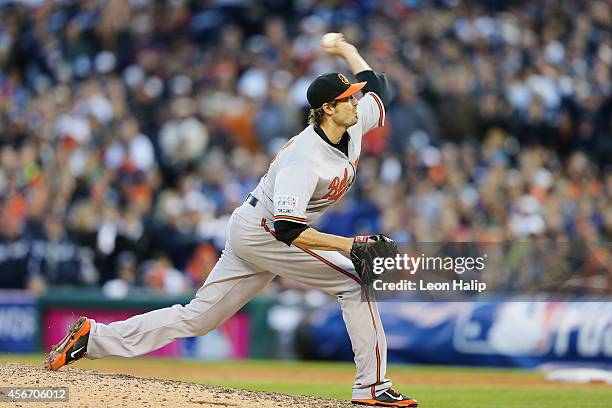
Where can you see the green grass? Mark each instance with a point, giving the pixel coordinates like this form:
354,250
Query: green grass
433,386
495,397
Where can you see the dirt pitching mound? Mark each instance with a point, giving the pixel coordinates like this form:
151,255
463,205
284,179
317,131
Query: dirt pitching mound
92,389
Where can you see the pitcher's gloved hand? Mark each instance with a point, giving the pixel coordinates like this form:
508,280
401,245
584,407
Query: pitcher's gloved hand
365,249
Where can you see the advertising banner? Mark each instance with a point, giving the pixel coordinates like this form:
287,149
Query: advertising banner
519,334
17,322
230,340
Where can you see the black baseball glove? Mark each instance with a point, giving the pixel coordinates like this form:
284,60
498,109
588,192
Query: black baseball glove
365,249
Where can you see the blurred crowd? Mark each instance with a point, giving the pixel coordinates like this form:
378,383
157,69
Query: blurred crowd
129,130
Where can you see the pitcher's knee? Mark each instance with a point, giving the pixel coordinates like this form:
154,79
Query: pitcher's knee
353,291
197,322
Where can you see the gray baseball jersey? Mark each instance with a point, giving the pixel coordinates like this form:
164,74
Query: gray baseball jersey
308,175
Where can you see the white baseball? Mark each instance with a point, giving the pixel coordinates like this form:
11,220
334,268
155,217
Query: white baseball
330,39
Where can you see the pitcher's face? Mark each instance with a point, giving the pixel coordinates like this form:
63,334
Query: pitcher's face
345,112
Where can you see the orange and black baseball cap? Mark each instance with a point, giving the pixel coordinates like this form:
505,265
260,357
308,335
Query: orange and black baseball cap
329,87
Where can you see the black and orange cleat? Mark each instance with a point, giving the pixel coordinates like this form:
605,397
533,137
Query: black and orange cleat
389,398
72,347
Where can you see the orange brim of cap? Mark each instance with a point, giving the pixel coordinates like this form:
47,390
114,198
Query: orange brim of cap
354,88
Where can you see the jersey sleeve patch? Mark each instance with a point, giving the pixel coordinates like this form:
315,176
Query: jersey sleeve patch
287,201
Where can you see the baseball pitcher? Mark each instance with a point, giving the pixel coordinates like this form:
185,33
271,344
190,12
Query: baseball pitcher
270,235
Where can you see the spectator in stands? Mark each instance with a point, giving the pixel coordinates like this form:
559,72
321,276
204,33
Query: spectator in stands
141,125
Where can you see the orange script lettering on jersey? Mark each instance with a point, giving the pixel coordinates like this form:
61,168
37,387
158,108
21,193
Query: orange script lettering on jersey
337,188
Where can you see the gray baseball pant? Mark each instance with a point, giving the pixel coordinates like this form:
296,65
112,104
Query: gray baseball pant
251,259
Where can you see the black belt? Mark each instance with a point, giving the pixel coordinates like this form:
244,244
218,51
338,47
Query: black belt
252,201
